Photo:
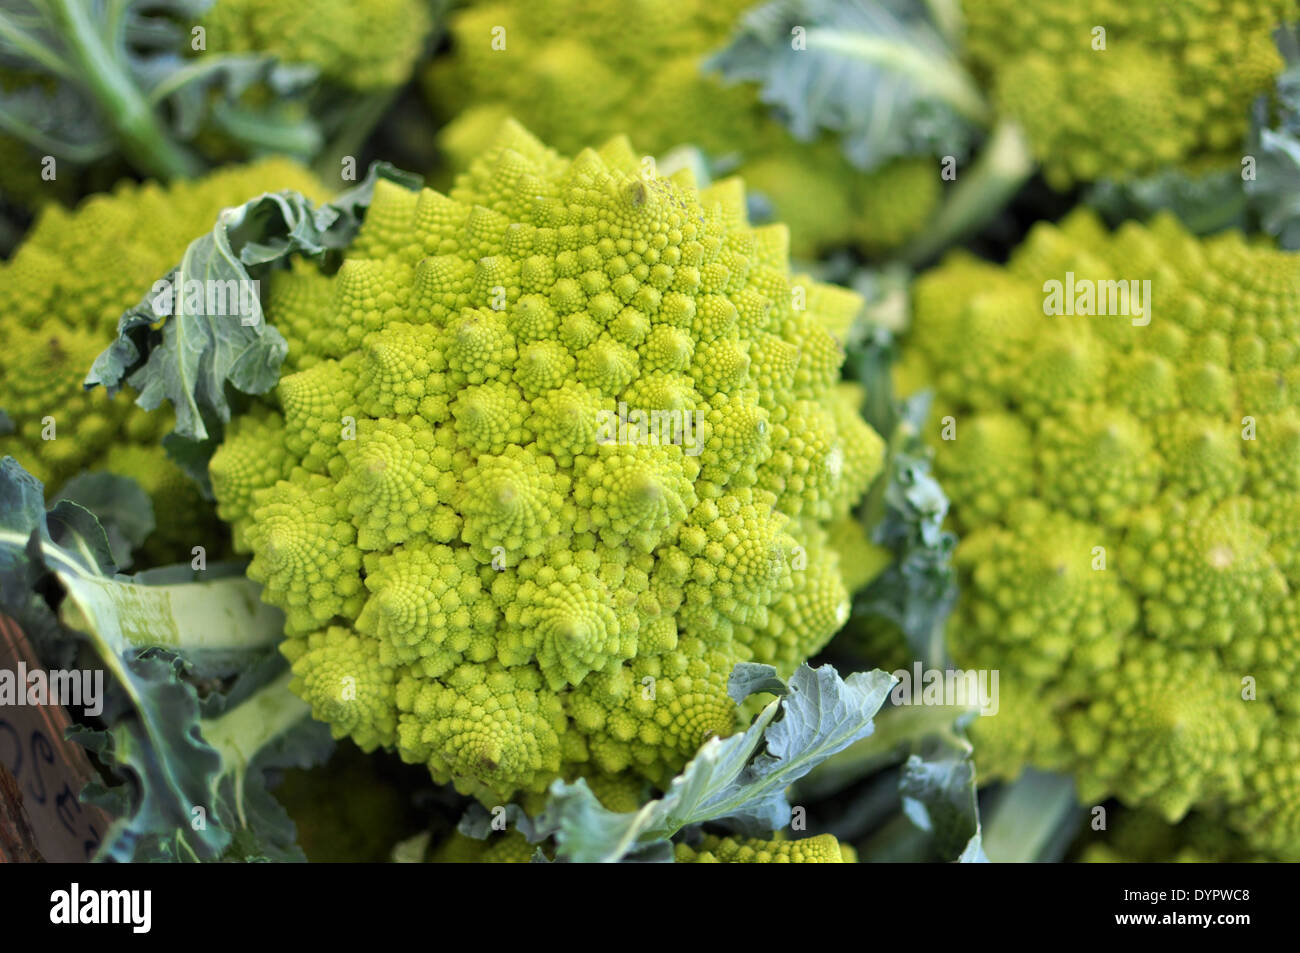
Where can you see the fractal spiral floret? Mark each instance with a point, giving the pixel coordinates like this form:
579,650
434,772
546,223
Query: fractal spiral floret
513,848
1127,487
558,449
822,849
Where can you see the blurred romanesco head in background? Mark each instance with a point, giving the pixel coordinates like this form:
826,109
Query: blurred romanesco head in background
363,51
1144,837
60,299
175,89
360,44
489,557
1127,489
1116,89
579,71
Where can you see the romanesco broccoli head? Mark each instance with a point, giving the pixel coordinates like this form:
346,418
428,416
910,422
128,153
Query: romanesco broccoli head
60,298
358,45
504,847
559,449
1145,837
578,71
1126,480
711,849
827,204
1108,88
511,847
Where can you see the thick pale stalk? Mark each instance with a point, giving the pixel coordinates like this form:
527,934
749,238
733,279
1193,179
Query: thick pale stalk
105,78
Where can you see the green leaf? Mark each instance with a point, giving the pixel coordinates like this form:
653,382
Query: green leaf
173,758
191,456
480,825
82,67
94,79
901,730
1205,203
192,358
264,129
905,511
751,678
122,508
1004,164
875,72
918,590
1274,192
46,119
740,780
939,797
258,728
184,756
22,516
195,88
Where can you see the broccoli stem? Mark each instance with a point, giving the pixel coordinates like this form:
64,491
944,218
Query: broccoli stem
1003,166
948,20
105,77
119,617
223,615
241,732
1033,820
238,734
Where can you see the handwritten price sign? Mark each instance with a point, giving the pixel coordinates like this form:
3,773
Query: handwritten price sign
46,773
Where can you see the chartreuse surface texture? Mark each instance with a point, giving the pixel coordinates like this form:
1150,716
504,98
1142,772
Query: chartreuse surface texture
513,848
470,575
60,298
578,71
1128,497
1164,82
360,44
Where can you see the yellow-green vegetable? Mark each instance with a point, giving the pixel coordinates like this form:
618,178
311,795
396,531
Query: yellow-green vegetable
1127,485
711,849
481,565
1110,88
60,298
579,71
359,45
